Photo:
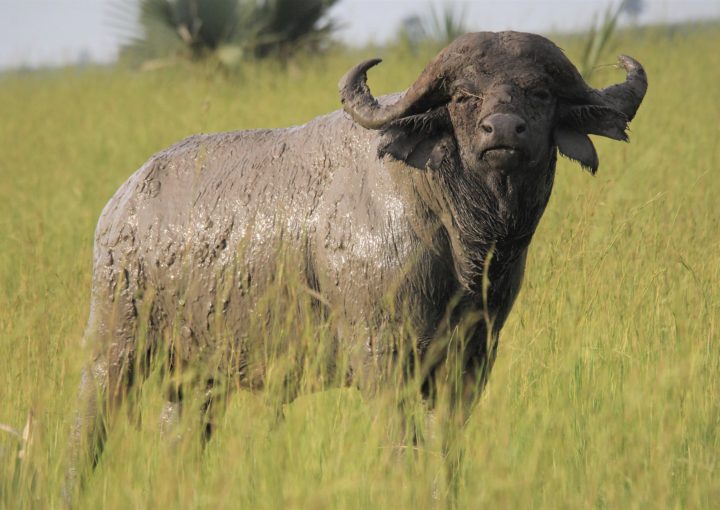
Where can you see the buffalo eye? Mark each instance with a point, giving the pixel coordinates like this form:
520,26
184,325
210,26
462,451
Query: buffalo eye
542,95
463,95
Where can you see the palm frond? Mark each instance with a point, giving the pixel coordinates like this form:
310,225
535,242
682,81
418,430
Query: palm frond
225,29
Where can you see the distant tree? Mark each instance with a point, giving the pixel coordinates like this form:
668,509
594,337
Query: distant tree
413,28
439,26
633,8
287,26
227,29
445,24
412,32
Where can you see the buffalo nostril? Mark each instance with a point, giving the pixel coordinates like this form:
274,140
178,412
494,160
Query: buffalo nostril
504,127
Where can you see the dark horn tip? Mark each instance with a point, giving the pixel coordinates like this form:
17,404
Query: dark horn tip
359,70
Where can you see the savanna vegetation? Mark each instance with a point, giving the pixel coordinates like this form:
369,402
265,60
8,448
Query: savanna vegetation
606,388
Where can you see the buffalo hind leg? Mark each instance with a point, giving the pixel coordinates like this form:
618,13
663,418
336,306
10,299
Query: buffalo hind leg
170,420
88,429
206,400
103,387
104,384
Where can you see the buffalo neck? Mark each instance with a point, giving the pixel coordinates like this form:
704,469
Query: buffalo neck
487,214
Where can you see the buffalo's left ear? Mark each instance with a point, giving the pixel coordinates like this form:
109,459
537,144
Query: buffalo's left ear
578,147
577,121
420,141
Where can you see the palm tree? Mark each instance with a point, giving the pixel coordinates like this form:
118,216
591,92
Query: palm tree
240,28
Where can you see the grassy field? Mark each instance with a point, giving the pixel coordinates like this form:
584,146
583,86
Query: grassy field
606,391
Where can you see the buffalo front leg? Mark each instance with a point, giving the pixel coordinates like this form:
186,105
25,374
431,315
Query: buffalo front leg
468,368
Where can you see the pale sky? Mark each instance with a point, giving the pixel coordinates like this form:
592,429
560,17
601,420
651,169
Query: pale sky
52,32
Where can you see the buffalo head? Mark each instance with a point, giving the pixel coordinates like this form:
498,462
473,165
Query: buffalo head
505,99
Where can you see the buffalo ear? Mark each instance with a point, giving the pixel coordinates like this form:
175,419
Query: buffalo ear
577,121
577,146
419,141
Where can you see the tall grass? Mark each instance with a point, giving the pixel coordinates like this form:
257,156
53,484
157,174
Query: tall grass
598,37
605,390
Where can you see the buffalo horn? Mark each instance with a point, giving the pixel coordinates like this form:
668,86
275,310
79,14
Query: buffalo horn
627,96
359,102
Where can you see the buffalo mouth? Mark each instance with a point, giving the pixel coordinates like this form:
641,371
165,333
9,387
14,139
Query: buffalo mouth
503,156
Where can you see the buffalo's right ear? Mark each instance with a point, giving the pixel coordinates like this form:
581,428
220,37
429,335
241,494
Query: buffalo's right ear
578,147
420,140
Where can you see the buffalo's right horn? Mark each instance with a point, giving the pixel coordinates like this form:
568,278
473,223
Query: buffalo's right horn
365,109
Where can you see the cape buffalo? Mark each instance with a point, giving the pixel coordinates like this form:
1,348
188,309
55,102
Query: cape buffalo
433,194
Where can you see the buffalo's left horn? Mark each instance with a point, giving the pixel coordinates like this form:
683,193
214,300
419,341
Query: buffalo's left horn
359,102
627,96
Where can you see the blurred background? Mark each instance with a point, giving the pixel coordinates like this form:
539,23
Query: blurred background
36,33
